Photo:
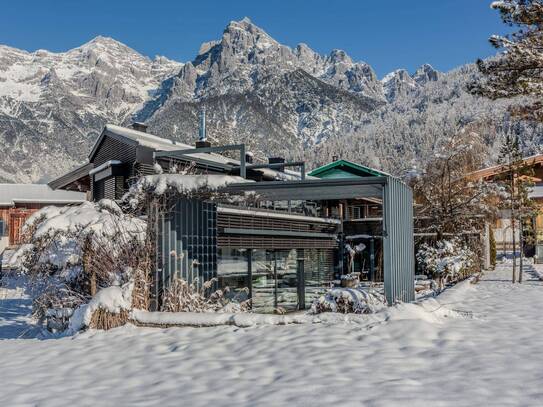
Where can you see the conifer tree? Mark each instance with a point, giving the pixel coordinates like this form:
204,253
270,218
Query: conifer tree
518,69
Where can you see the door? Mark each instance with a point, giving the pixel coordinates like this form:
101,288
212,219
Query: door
286,274
274,280
17,220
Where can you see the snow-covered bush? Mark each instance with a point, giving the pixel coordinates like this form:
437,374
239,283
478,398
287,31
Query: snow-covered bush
448,261
109,308
359,300
72,252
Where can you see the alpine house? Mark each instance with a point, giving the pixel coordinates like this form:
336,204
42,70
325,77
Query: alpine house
280,243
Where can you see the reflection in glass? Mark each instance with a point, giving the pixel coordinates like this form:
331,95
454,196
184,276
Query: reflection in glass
233,272
263,280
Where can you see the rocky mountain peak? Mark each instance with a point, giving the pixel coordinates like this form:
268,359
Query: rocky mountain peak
244,34
425,73
396,83
339,56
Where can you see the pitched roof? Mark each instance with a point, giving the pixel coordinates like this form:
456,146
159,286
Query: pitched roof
151,141
498,169
72,176
355,169
162,144
36,193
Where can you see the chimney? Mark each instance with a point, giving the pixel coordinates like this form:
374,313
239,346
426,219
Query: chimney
249,157
202,136
139,126
277,160
335,158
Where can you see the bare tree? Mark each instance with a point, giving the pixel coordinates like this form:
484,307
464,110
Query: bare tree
448,201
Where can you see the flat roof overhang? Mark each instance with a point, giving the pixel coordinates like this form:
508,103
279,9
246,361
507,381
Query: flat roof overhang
79,174
314,190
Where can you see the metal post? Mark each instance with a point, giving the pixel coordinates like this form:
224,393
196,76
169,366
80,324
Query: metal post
250,271
242,170
275,278
301,282
521,238
372,259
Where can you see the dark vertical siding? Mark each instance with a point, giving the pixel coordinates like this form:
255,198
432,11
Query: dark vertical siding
112,149
98,190
115,187
109,188
186,243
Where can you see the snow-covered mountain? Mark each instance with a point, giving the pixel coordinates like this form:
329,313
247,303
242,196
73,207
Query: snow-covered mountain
53,104
276,99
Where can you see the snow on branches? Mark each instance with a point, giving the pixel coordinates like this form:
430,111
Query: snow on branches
518,69
72,252
358,300
448,261
448,200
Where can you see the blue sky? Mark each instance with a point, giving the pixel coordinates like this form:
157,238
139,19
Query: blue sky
387,34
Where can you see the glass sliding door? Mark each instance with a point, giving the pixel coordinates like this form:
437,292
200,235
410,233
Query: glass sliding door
274,280
287,280
233,273
318,273
263,281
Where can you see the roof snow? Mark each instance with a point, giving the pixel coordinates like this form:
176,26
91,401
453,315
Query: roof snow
162,144
37,193
187,183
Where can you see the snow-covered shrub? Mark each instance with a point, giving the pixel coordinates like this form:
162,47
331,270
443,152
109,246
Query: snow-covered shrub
359,300
72,252
448,261
108,309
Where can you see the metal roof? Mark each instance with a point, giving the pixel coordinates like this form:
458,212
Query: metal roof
500,169
315,189
355,169
154,142
161,144
37,193
70,177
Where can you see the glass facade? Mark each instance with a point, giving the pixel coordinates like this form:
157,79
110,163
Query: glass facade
286,274
263,281
318,273
276,279
233,272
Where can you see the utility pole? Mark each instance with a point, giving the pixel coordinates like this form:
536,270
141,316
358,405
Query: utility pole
521,232
513,225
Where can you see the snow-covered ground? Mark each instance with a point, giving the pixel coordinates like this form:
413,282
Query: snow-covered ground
478,345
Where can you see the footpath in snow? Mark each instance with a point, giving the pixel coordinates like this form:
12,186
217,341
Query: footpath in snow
477,345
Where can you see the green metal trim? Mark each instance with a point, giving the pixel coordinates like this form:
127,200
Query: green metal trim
344,163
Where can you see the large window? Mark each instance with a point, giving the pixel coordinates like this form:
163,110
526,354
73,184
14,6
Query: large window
233,272
275,282
263,281
318,273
